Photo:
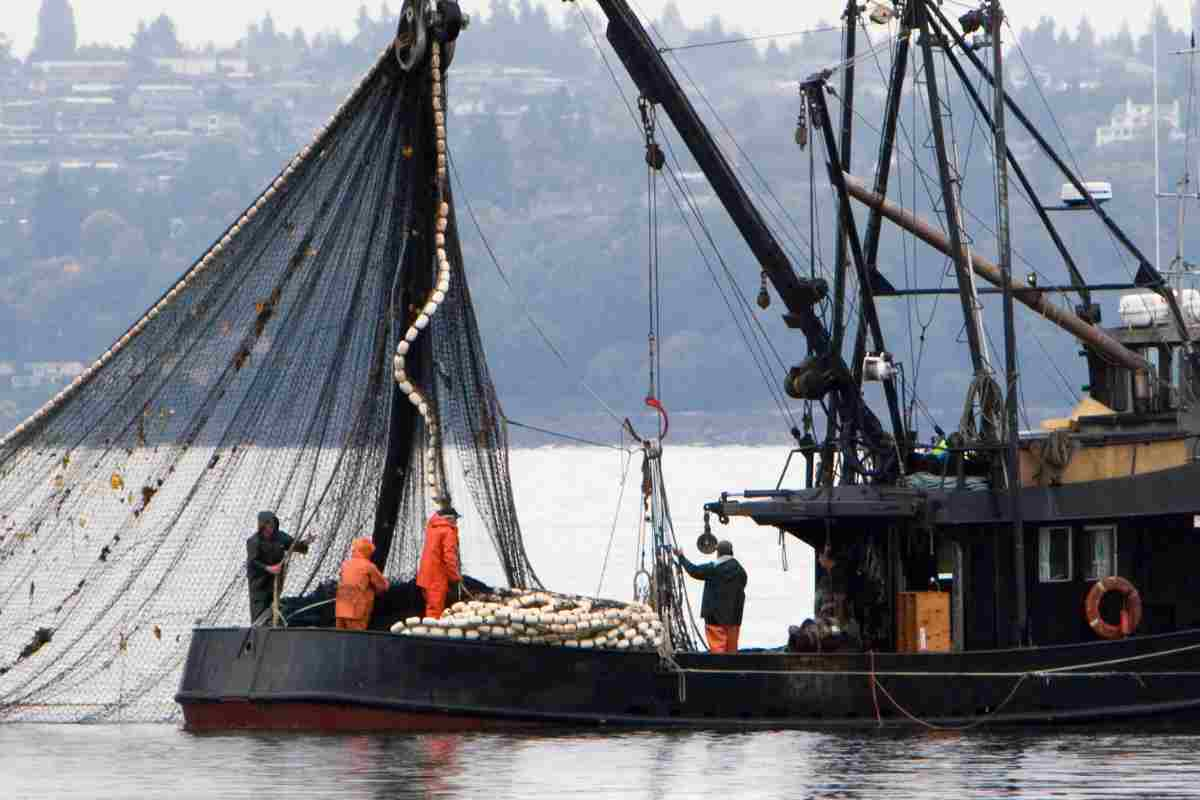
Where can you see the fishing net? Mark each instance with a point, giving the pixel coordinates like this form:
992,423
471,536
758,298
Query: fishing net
262,380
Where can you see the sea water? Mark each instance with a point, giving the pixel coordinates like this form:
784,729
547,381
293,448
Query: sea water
576,531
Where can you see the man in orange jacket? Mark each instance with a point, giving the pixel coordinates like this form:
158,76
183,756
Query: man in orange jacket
439,560
361,581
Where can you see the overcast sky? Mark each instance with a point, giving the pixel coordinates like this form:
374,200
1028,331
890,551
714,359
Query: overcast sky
224,21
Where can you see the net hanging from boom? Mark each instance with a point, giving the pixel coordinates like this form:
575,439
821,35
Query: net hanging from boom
262,379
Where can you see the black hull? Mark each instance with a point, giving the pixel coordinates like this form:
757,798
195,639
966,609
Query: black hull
322,679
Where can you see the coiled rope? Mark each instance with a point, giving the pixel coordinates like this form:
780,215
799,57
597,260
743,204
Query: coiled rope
985,391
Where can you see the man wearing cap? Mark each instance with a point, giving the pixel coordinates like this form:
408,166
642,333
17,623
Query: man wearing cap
265,552
439,569
724,597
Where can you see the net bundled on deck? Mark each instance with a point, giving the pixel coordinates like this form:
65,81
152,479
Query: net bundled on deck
262,379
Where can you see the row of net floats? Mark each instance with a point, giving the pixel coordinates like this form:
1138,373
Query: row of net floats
540,617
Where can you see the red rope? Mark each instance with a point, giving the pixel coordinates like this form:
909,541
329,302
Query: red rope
874,694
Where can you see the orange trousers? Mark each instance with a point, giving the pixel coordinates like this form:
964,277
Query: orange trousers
435,600
349,624
722,638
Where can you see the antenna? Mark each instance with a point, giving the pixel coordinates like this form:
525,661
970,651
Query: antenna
1179,267
1154,126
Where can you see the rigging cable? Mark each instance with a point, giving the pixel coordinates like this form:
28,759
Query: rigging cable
924,178
558,435
744,39
752,343
681,187
521,300
768,207
654,162
1120,251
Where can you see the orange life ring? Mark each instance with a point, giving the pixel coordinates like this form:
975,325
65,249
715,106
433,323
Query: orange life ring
1131,611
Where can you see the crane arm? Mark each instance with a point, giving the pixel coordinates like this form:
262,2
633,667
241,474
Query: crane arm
645,64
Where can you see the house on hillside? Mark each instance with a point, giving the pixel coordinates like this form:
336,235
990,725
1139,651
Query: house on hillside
203,66
1131,121
53,76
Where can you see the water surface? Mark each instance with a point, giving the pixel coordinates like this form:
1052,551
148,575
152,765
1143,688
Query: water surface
567,498
161,761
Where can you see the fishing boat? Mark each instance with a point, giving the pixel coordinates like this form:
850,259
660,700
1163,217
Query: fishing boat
995,576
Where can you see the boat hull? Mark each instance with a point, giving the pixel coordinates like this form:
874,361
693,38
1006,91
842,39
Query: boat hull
324,679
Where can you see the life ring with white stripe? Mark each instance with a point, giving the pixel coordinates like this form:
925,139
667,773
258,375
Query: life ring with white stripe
1131,609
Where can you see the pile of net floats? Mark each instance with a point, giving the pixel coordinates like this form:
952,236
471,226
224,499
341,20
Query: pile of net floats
540,617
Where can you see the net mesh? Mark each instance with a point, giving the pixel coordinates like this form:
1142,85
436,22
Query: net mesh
261,380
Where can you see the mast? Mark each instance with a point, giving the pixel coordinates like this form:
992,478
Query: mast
840,262
1010,337
846,139
948,181
417,61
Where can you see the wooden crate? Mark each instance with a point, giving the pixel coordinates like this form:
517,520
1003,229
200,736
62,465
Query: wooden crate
928,610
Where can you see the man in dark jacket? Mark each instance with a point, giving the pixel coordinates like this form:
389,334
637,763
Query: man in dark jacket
265,553
724,597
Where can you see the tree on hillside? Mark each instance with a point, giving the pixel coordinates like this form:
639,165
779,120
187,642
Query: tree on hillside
7,62
1038,41
1085,42
56,36
1123,42
57,216
156,40
99,232
163,37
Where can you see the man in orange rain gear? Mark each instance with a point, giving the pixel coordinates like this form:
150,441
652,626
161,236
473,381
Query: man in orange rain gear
439,560
361,581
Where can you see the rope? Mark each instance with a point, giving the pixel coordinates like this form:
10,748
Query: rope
744,39
874,686
986,391
933,727
566,436
1068,671
1054,454
628,460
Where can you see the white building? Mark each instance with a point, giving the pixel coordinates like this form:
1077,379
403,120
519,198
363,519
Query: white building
1130,121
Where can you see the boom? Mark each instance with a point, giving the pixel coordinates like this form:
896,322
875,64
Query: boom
657,84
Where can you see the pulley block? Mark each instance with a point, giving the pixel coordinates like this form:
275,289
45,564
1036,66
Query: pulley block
654,156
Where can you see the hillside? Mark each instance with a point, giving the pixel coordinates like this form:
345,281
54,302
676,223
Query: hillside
552,166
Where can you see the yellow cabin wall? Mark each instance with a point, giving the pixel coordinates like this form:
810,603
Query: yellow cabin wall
1098,463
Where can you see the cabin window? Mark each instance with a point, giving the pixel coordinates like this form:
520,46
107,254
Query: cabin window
1054,551
1100,549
